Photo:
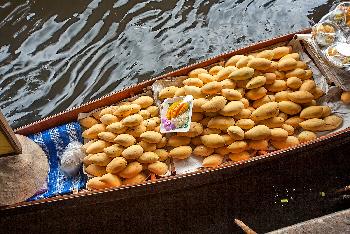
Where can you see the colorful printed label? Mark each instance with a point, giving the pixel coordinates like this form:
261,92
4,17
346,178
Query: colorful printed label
176,114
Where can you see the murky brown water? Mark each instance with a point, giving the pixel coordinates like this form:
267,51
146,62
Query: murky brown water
56,55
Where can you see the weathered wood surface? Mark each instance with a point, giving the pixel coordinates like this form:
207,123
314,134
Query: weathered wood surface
8,142
338,222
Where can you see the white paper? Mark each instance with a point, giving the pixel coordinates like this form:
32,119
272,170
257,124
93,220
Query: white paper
343,48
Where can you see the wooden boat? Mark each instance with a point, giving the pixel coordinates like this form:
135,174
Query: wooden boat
204,201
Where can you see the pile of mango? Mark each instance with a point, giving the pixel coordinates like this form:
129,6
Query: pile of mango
124,144
241,108
248,105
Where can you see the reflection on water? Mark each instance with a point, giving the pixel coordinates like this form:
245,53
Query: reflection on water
56,55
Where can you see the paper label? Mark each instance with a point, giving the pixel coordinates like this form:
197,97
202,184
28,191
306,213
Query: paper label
176,114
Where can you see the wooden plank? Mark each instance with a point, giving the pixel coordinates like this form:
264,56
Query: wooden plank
9,144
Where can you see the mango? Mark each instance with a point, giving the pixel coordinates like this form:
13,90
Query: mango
212,161
259,132
213,140
132,152
131,170
265,111
144,101
180,152
243,73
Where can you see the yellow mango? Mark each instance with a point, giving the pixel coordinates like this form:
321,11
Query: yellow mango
144,101
214,70
277,86
194,91
223,74
113,150
289,107
243,73
148,157
305,136
278,134
116,165
258,145
270,78
256,82
95,170
203,151
176,141
107,136
193,82
267,54
286,143
313,124
300,96
238,147
245,124
311,112
195,130
158,168
287,64
116,127
259,132
212,161
139,178
213,141
237,157
228,84
281,51
132,152
88,122
132,120
263,100
194,73
180,152
233,60
294,82
232,108
221,122
212,88
265,111
131,170
125,140
255,94
215,104
97,147
273,122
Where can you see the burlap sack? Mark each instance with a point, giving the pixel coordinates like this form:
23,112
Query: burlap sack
21,176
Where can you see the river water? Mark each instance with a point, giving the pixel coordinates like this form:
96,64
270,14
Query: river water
55,55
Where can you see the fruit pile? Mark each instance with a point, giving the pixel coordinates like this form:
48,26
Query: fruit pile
124,143
244,107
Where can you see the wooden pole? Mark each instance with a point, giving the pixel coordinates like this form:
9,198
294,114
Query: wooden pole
9,144
244,227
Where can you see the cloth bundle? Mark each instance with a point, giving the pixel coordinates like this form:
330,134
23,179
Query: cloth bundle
53,142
